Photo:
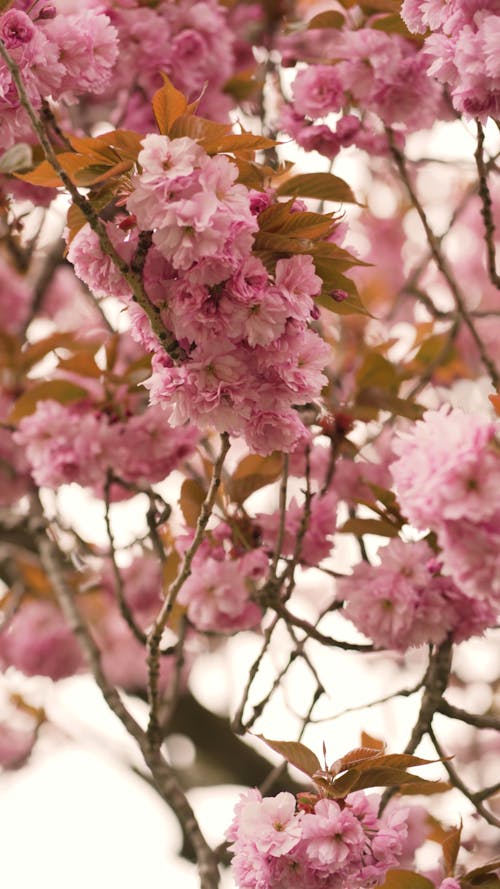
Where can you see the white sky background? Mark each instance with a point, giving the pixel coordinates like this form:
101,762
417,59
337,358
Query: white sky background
77,817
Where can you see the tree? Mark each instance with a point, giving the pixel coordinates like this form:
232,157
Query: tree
272,363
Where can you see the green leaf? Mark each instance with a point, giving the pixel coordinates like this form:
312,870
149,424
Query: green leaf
377,371
369,526
252,473
323,186
168,105
55,390
328,19
405,879
296,754
383,400
236,142
35,352
394,24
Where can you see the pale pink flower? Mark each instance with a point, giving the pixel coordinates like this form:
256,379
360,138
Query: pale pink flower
448,468
333,838
94,267
270,824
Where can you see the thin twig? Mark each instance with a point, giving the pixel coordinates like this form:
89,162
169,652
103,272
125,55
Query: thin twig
164,776
160,623
133,280
479,720
440,260
123,605
459,784
486,207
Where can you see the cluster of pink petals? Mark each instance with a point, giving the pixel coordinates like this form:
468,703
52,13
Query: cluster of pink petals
59,56
317,540
79,443
192,204
218,594
250,355
192,41
463,49
405,602
338,844
39,642
447,477
384,75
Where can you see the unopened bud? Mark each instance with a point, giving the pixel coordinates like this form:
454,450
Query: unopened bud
47,12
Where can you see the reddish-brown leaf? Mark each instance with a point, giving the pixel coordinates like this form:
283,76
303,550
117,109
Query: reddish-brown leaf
191,500
168,105
252,473
57,390
296,754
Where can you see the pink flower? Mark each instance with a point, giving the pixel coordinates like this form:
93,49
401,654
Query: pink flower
16,28
447,468
317,542
217,594
94,267
270,824
38,642
317,90
267,431
332,838
402,602
88,48
64,444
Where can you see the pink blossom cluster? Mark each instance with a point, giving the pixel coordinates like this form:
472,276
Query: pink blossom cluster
219,594
80,443
39,642
317,540
338,843
192,41
447,477
463,50
385,76
59,56
405,601
250,355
